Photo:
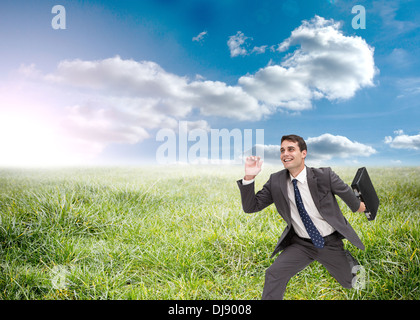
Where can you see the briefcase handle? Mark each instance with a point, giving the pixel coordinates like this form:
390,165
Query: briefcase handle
359,195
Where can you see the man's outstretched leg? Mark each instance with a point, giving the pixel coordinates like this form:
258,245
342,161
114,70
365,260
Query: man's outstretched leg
293,259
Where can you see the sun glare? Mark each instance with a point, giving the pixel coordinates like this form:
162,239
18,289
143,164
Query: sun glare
28,141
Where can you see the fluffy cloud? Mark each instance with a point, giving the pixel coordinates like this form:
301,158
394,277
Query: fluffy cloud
235,44
118,77
279,87
328,146
200,36
120,101
215,98
327,64
403,141
149,88
238,45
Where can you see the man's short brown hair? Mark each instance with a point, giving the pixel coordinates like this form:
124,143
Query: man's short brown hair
294,138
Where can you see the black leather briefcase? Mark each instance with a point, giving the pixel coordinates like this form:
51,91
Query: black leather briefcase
363,188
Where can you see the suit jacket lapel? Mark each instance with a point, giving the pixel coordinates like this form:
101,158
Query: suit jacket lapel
283,185
284,176
312,183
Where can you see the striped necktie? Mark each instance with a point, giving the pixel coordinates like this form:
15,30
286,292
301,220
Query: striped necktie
313,232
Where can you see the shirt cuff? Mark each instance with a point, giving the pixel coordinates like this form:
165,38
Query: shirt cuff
245,182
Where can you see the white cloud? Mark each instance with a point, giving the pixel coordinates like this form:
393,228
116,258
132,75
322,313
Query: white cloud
119,101
199,37
403,141
327,64
328,146
115,76
144,87
396,161
215,98
235,44
29,71
259,50
280,87
238,46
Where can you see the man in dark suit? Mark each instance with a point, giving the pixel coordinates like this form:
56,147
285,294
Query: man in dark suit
305,198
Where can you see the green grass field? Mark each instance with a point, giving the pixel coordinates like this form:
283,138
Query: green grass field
180,233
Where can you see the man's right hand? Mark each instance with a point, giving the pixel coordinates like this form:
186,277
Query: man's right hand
252,167
362,207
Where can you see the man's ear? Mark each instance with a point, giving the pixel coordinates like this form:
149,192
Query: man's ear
304,152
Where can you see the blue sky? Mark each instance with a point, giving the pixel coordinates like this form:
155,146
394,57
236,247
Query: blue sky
100,90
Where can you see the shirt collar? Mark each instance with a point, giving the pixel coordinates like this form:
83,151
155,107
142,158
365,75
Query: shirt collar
301,177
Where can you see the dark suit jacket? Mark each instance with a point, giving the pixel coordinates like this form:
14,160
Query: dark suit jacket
323,183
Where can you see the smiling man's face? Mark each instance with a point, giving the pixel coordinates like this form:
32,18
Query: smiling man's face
292,158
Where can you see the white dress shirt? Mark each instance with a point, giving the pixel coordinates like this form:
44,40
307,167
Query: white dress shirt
323,227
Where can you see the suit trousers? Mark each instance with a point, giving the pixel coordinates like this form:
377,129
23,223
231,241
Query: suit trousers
299,254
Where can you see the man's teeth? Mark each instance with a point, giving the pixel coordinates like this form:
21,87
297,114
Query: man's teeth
287,160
